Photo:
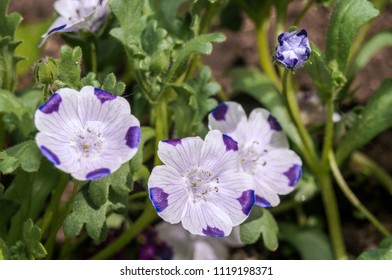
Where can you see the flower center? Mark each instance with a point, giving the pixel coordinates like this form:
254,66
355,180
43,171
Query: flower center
87,142
250,156
201,182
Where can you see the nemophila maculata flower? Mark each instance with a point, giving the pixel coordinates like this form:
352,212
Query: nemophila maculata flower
263,150
201,185
293,49
88,134
78,15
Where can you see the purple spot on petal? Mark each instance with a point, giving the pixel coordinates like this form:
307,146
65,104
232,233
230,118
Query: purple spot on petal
103,96
159,199
247,200
230,143
261,201
52,105
213,232
294,174
50,155
274,124
98,174
173,142
57,29
220,111
133,137
302,33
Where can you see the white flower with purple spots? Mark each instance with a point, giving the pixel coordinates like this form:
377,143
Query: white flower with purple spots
78,15
263,149
293,49
201,184
88,134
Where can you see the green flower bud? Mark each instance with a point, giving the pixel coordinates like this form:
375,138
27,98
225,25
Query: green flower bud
45,71
159,62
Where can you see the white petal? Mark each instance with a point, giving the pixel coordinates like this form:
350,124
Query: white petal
213,250
278,173
226,116
57,150
178,239
58,117
206,219
264,128
167,193
220,153
67,8
181,154
235,196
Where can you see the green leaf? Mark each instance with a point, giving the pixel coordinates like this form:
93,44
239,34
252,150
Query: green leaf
90,80
260,222
31,239
194,102
198,45
69,67
166,14
375,118
131,19
8,59
311,243
111,85
152,37
383,252
30,191
306,188
370,48
25,155
261,88
5,253
347,19
94,201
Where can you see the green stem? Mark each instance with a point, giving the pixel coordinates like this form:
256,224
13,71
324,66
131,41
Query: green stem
208,16
161,125
147,217
328,135
52,210
56,225
295,114
376,170
137,195
264,52
94,64
333,218
352,198
303,12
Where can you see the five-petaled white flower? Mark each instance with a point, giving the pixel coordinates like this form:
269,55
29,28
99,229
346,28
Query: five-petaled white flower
78,15
263,149
201,184
88,134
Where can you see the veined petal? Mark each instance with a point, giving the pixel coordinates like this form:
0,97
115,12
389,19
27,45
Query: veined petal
226,117
220,153
278,171
265,129
235,195
206,219
58,116
167,193
181,154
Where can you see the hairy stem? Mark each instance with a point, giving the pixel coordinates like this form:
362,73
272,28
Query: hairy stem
351,196
161,125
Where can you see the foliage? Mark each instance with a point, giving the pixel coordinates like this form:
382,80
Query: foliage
151,53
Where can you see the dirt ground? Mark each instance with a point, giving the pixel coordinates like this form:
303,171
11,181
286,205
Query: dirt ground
240,49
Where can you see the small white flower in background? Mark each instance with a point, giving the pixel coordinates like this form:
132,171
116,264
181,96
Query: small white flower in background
78,15
186,246
201,184
88,134
263,149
